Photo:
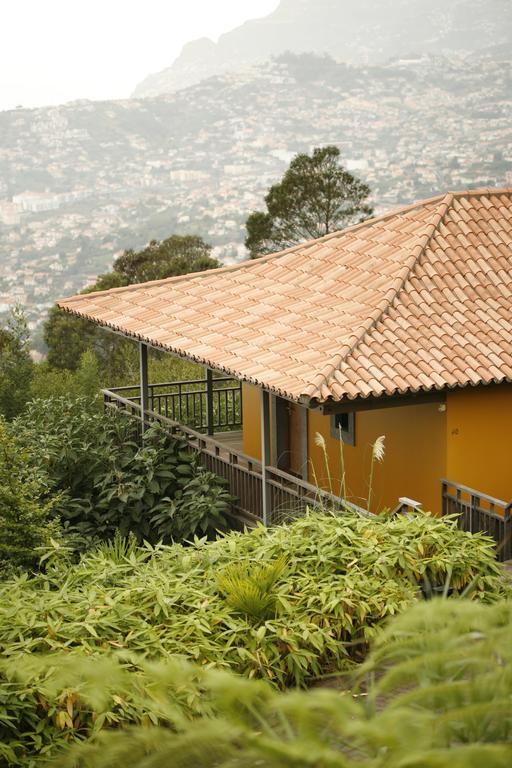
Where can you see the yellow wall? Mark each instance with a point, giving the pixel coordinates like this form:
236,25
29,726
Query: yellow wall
251,420
468,444
479,429
414,462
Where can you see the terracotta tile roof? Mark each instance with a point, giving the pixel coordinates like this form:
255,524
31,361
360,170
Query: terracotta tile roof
418,299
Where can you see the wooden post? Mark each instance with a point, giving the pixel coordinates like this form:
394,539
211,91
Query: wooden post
444,498
507,532
209,401
304,443
265,456
474,513
144,386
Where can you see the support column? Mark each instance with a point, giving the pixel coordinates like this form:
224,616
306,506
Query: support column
266,498
144,386
304,442
209,401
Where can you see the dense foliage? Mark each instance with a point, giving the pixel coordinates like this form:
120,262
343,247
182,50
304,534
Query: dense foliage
27,513
22,380
434,691
15,365
288,603
315,196
442,697
106,481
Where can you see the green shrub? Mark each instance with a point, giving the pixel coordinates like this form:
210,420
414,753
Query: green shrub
198,506
436,691
249,588
16,366
27,523
48,383
343,578
108,482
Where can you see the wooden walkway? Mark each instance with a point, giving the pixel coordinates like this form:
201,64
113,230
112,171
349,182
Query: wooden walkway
222,453
233,441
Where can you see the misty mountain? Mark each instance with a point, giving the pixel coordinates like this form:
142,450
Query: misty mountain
81,182
353,31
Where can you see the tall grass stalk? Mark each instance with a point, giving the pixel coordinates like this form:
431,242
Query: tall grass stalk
377,455
320,442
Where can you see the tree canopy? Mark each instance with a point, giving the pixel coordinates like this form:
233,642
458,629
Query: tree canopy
16,366
177,255
316,195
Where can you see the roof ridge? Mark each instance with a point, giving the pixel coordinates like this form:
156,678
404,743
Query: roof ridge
247,263
387,302
480,191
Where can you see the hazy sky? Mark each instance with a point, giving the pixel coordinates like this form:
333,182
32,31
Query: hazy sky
52,51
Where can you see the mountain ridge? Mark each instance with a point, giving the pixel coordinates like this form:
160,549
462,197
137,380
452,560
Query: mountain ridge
83,181
370,32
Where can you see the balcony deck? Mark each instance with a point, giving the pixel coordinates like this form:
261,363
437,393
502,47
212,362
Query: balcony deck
222,452
209,422
234,441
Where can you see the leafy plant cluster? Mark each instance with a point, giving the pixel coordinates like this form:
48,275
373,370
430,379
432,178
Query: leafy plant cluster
435,690
22,380
28,518
287,604
95,477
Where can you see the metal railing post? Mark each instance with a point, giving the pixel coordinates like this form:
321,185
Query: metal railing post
209,401
266,499
144,388
444,499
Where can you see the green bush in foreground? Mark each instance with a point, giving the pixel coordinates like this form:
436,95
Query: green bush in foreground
322,586
436,691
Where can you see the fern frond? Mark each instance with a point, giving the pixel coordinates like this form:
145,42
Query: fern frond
249,588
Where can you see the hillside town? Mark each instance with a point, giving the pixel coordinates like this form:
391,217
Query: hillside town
81,182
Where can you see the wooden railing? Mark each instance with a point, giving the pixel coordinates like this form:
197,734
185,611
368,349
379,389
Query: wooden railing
186,402
289,495
477,511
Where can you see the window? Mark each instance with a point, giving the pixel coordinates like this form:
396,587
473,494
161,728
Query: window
344,425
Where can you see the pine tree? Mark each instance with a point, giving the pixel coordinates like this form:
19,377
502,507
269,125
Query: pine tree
315,196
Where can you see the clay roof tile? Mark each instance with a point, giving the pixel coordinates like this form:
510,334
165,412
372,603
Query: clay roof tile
414,299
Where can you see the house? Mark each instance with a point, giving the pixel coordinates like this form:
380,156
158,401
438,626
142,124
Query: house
400,326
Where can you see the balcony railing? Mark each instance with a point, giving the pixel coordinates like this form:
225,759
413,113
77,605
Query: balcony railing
477,511
186,402
288,495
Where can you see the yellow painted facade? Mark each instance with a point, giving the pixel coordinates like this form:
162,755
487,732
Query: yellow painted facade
479,426
414,461
467,443
251,420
